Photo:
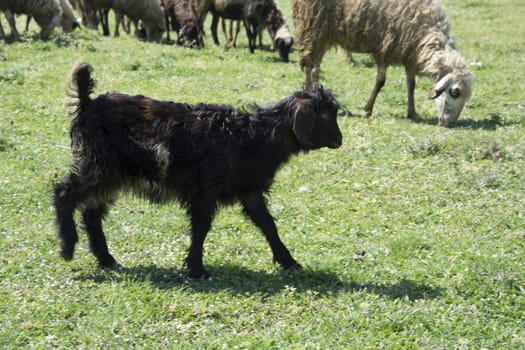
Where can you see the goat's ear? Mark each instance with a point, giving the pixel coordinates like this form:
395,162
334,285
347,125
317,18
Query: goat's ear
304,122
439,87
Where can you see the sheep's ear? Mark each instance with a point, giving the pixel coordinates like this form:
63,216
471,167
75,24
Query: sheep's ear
304,122
437,89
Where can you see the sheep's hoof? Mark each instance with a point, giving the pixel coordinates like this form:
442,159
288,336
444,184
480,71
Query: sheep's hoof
414,117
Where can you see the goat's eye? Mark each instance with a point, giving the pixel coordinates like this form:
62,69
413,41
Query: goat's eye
454,92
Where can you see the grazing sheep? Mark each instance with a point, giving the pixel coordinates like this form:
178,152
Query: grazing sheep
202,156
95,12
226,9
200,9
412,33
68,21
179,16
47,14
149,12
261,14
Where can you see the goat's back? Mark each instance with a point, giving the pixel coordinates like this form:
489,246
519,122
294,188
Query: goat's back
167,149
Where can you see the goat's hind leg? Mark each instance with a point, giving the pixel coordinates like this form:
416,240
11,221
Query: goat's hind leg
70,194
65,201
255,208
92,216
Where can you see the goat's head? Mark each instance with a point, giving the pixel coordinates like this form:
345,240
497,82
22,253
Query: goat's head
315,119
451,92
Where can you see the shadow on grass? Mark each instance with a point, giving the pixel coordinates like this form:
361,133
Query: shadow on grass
490,124
239,280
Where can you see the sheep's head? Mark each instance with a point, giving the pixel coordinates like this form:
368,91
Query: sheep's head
451,93
315,119
191,35
283,42
47,25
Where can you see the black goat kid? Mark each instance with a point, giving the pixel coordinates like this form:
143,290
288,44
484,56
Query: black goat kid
201,156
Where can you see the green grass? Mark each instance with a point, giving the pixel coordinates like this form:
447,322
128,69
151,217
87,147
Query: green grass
439,213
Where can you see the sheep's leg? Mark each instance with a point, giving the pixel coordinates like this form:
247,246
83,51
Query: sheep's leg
2,33
119,18
167,22
316,71
260,38
126,25
255,208
213,28
227,37
411,86
12,23
307,76
380,82
104,21
201,218
251,32
97,240
237,31
27,23
228,33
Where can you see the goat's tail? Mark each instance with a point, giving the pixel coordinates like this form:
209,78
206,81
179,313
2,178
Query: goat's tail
80,87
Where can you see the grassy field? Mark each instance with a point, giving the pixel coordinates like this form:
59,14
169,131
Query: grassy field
412,235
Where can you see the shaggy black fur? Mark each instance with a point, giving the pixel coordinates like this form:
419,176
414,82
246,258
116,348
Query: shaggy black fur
201,156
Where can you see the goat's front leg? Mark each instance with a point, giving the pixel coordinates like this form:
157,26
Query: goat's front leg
255,208
201,218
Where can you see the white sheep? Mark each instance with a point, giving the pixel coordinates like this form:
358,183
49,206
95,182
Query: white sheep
68,20
149,12
47,14
412,33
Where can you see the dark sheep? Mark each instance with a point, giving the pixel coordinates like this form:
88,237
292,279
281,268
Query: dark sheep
202,156
261,14
182,21
227,9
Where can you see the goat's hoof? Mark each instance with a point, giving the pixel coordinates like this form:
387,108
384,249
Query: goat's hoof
107,261
67,253
200,274
294,267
